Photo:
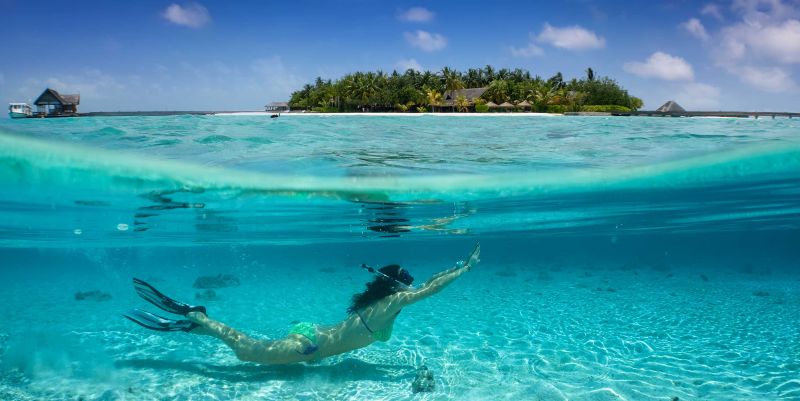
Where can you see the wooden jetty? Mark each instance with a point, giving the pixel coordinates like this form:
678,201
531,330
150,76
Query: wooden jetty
738,114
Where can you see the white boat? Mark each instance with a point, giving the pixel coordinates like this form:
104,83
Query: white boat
19,110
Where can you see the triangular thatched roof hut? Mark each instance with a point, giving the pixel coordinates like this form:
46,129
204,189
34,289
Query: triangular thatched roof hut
506,105
524,104
671,107
471,94
492,105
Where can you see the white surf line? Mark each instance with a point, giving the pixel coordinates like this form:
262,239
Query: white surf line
386,114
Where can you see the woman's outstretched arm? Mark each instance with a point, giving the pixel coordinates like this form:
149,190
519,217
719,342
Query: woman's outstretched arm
438,281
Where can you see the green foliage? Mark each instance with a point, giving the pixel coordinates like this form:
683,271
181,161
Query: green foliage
481,108
414,90
422,109
461,103
323,109
636,103
605,108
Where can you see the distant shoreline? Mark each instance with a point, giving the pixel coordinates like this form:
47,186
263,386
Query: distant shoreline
390,114
697,114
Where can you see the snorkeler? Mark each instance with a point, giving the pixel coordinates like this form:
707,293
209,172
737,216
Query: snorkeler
371,317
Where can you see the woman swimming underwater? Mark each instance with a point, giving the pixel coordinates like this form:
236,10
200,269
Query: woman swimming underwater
370,318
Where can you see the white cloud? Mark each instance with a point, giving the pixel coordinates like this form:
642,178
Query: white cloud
712,10
416,14
570,38
531,50
408,64
764,11
695,28
771,43
662,66
429,42
763,47
192,15
768,79
697,96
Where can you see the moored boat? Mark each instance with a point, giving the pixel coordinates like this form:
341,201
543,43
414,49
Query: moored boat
19,110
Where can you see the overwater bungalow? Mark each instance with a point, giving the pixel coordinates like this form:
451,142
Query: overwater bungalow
53,104
277,106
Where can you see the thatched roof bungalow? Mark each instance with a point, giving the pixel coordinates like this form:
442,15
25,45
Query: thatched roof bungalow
53,103
492,105
524,105
277,106
449,98
506,105
671,107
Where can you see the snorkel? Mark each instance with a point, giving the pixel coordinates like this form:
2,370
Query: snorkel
404,275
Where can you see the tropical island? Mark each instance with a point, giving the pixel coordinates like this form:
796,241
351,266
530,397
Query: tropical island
476,90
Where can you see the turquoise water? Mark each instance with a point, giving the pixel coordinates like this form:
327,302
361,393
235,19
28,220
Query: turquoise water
623,258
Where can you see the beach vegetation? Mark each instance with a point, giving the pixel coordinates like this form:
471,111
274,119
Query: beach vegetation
433,97
415,90
607,108
462,104
481,108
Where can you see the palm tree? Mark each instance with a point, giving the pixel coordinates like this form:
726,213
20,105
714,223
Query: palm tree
542,97
462,104
498,91
434,98
452,79
488,73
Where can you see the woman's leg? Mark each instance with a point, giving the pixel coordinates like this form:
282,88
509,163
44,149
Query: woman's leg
249,349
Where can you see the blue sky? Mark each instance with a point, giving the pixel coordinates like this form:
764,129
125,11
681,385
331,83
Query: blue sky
208,55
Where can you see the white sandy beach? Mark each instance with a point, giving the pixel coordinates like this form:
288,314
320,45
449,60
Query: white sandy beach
383,114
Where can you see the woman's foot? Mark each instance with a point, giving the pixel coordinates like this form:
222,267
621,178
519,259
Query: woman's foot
198,318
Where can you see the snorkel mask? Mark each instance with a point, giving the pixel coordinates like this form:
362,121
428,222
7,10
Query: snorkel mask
403,280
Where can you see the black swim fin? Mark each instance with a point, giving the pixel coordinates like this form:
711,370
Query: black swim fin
155,297
158,323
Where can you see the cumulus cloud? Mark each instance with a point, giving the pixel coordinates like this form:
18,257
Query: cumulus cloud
712,10
776,42
570,38
762,48
531,50
662,66
416,14
192,15
695,28
768,79
408,64
426,41
698,96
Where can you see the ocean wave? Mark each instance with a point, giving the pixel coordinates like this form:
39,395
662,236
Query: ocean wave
33,162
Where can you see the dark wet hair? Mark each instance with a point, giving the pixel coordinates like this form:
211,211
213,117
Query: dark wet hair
381,287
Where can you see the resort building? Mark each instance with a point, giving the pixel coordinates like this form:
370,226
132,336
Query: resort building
51,103
671,107
277,106
449,98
